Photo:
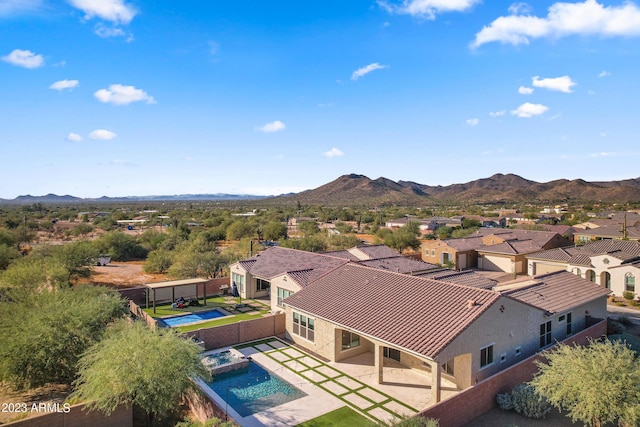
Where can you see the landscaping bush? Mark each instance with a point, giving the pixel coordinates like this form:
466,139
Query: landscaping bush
505,401
527,402
628,295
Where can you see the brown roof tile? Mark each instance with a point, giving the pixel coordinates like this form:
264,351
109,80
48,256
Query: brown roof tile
466,278
557,292
417,314
399,264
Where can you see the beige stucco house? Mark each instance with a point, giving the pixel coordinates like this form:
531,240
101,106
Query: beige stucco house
445,330
612,264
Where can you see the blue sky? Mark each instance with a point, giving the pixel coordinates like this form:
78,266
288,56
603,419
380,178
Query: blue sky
140,97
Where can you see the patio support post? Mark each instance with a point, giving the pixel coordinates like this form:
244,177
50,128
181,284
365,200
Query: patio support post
378,360
435,382
204,291
146,298
173,294
154,300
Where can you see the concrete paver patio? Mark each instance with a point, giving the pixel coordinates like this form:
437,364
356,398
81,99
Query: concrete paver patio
329,386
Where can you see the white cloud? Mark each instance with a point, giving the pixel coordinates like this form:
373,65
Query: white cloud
604,73
74,137
604,154
562,84
497,113
334,152
427,9
115,11
472,122
602,134
24,58
105,32
563,19
525,90
122,95
591,92
366,70
528,109
12,7
102,134
274,126
520,9
64,84
327,105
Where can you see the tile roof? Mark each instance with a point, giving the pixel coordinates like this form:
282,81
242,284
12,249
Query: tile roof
581,259
417,314
466,278
301,277
399,264
345,254
557,292
277,260
563,254
373,251
512,247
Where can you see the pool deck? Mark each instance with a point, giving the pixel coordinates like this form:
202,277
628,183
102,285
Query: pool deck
330,386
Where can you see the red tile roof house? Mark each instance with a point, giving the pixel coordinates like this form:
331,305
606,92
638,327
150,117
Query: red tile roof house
461,333
613,264
446,325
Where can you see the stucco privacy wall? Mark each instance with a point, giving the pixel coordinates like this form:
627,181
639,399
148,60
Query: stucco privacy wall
77,417
463,407
243,331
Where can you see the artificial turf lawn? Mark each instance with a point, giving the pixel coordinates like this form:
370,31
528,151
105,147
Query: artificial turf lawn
220,321
344,416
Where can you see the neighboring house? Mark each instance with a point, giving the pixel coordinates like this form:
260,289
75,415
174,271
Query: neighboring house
612,264
617,225
276,273
425,226
490,249
462,333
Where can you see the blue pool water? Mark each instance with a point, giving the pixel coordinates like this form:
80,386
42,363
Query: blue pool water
253,389
194,317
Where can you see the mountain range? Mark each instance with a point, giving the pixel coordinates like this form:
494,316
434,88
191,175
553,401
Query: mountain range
354,189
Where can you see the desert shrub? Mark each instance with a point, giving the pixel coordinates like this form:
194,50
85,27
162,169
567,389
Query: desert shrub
615,327
505,401
628,295
417,422
527,402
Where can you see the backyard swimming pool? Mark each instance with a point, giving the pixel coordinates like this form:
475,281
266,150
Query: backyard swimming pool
253,389
193,317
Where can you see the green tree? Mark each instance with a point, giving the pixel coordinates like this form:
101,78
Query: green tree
7,255
596,384
26,275
275,230
308,227
312,243
135,365
239,229
158,261
56,327
402,238
120,246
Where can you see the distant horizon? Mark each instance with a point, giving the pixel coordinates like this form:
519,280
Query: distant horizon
219,193
146,97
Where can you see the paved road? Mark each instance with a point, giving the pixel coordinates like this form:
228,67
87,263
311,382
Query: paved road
632,313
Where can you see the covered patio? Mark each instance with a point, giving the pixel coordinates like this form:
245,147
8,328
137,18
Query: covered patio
159,291
412,386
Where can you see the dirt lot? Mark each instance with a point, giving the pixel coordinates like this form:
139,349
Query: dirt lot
123,275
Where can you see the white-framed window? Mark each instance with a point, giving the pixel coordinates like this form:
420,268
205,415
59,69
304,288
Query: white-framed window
545,334
238,279
486,356
304,326
262,285
629,282
350,340
282,294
